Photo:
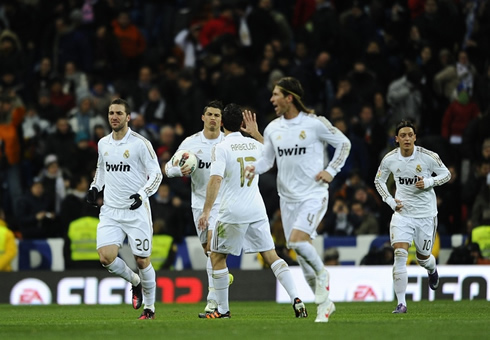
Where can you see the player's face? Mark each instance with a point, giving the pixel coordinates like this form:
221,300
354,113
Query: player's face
280,102
406,138
212,119
118,118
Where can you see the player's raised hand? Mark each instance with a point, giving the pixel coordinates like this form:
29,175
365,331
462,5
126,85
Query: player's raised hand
249,125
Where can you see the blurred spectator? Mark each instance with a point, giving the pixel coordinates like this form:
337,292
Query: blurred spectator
189,102
155,109
449,205
64,101
405,96
477,180
108,60
167,144
53,182
480,212
448,79
131,40
188,41
171,210
482,89
69,43
379,256
216,27
35,220
83,118
84,157
75,81
363,81
46,109
348,100
11,57
101,97
363,220
61,143
74,205
41,78
8,245
10,152
138,125
331,257
338,222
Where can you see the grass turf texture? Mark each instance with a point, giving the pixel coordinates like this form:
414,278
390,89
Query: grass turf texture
250,320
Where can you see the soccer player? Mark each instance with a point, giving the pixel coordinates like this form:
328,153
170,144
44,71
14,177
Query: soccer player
201,144
128,172
414,205
297,141
242,222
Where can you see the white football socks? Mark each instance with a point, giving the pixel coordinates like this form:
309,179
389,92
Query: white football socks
281,270
221,284
148,285
400,276
121,269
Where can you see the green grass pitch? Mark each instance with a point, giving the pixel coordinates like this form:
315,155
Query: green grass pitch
250,320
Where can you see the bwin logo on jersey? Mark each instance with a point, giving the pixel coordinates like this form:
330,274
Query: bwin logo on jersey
291,151
202,165
117,167
408,181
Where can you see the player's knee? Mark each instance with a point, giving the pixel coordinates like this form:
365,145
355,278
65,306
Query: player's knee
142,262
422,260
105,258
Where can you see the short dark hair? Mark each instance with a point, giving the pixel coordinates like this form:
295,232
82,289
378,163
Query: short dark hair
119,101
405,123
217,104
232,117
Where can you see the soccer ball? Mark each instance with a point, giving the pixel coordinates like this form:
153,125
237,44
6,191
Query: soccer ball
185,157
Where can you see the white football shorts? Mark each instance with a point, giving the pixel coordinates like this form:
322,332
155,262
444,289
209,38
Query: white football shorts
203,235
116,224
304,215
230,238
422,231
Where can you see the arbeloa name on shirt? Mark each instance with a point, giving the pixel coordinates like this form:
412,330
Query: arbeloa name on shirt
117,167
243,146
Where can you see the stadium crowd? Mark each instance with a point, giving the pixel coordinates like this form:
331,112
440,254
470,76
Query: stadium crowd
364,65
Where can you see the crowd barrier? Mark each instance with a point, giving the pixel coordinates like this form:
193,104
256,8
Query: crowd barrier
48,254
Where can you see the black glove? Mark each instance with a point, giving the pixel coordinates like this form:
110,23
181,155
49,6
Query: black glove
91,196
137,201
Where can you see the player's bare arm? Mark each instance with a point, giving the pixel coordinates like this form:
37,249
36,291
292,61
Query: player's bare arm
211,194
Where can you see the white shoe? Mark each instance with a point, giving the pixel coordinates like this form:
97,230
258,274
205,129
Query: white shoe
211,306
324,311
322,289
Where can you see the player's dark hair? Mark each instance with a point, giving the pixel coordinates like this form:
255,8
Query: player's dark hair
232,117
405,123
292,86
217,104
119,101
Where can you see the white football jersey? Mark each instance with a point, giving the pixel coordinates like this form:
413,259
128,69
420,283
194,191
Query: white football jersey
126,167
201,147
422,163
299,146
241,201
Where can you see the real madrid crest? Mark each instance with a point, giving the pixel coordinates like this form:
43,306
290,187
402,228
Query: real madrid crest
418,168
302,135
126,154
